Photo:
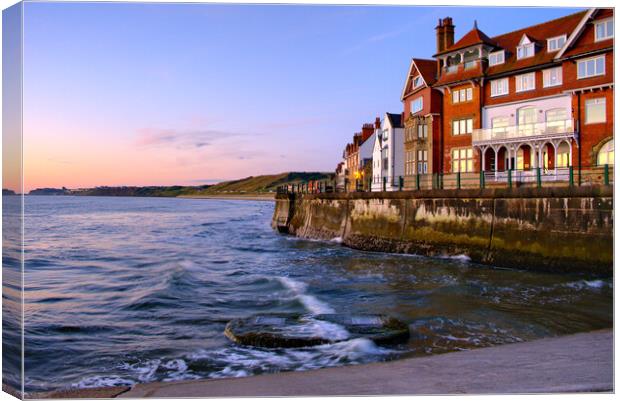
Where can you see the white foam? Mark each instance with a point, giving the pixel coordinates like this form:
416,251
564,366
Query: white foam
312,303
582,284
337,240
460,258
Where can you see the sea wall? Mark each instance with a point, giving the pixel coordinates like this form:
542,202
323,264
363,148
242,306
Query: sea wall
550,229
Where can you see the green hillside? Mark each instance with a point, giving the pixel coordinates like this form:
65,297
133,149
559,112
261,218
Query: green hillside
264,183
248,185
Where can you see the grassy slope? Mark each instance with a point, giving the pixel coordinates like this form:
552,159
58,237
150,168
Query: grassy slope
263,183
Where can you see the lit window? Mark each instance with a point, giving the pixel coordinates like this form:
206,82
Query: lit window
496,58
462,95
499,124
462,160
591,67
563,157
604,29
525,82
462,127
595,111
606,154
499,87
557,121
552,77
555,44
525,51
416,105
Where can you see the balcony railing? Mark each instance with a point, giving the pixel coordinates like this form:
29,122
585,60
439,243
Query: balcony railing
514,132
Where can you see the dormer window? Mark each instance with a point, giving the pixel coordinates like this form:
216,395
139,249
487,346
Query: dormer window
525,48
556,43
496,58
417,81
525,51
604,29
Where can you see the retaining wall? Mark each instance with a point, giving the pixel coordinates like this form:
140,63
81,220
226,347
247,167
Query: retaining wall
551,229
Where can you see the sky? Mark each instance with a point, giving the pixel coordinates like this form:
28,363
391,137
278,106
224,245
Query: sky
189,94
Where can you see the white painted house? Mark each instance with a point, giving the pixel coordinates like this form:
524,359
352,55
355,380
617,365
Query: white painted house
388,153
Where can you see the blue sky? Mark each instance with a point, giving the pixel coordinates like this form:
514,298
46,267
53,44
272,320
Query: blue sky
137,94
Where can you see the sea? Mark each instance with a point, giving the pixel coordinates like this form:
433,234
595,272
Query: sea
124,290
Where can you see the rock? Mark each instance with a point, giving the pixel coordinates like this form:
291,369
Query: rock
293,331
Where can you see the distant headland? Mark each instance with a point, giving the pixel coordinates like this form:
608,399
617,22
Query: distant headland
253,185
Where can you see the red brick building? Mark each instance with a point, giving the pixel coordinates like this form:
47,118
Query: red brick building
422,121
539,97
354,168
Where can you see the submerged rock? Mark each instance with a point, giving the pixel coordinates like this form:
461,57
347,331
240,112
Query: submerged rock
292,331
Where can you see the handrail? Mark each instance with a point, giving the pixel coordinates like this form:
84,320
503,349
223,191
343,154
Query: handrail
523,130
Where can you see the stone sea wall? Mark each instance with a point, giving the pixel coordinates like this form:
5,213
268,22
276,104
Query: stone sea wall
550,229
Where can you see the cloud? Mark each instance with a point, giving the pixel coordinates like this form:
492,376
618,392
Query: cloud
195,139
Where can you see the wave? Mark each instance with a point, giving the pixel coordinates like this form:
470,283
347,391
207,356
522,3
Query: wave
310,302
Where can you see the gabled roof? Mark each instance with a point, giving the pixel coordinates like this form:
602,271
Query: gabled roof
536,33
395,119
471,38
427,70
572,46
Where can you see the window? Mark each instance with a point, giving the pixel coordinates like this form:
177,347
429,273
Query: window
525,82
499,87
417,81
469,64
422,161
462,127
416,105
409,163
499,124
552,77
606,154
563,157
555,44
462,160
557,121
496,58
525,51
422,131
604,30
462,95
595,111
591,67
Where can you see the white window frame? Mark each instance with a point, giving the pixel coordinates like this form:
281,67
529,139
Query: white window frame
500,84
462,126
555,40
496,56
523,48
596,101
416,109
422,129
585,61
458,160
420,82
462,95
547,77
520,78
607,34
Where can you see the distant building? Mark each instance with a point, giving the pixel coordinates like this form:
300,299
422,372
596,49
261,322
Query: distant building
388,151
354,171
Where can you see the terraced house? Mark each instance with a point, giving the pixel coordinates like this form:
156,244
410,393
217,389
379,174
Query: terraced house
537,100
422,111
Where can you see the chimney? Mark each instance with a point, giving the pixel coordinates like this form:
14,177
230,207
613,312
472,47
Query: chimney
448,30
367,130
377,123
440,36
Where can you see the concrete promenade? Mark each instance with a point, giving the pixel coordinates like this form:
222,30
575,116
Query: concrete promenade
576,363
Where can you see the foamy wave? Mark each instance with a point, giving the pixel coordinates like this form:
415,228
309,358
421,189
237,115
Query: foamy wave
582,284
103,381
312,303
337,240
460,258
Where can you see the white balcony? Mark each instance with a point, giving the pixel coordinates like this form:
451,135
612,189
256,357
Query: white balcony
518,133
